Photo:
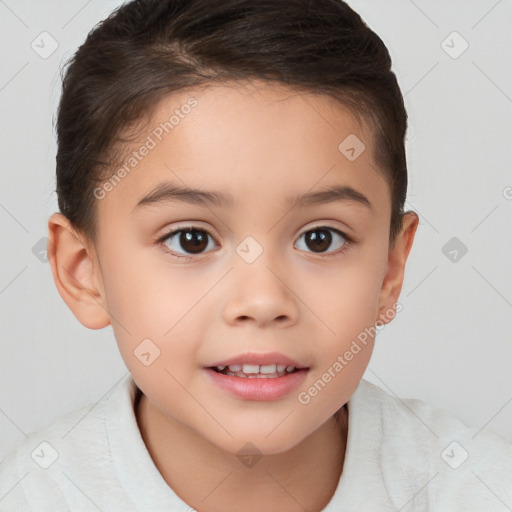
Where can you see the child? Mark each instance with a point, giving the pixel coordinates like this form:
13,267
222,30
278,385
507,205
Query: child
231,177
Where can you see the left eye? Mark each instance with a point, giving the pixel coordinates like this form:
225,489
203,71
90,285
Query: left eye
320,238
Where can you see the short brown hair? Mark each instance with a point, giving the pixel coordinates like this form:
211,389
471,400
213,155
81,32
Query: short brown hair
147,49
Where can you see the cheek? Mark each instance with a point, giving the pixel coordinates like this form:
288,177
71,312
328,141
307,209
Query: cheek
346,302
345,299
350,314
157,308
146,291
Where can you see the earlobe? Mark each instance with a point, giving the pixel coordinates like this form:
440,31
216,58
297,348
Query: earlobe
75,273
397,257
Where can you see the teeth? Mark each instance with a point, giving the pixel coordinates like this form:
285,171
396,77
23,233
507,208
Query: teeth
249,368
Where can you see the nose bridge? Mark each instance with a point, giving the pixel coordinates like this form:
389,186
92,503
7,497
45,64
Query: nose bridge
258,289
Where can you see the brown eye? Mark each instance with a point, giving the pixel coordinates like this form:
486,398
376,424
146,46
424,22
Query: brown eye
320,239
189,241
193,241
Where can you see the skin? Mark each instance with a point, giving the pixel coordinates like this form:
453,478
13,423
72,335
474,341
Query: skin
260,143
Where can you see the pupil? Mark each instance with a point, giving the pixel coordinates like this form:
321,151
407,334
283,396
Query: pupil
195,239
318,240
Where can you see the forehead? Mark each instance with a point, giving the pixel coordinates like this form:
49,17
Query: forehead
256,142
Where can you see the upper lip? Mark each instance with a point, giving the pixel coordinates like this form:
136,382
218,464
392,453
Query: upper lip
266,358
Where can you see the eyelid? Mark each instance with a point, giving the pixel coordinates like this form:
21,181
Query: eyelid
326,224
192,225
183,227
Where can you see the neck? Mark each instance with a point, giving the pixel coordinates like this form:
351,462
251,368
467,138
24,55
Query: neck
211,479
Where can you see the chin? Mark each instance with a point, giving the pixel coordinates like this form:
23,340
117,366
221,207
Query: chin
255,442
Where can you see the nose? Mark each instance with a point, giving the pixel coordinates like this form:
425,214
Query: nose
260,293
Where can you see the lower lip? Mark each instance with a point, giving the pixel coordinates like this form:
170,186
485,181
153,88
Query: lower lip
261,389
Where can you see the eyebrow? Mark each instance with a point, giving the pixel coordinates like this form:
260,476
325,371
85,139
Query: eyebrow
169,191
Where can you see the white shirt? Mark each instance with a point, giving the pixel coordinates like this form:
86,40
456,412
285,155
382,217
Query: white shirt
401,455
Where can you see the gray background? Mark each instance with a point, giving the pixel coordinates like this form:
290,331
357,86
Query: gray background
450,345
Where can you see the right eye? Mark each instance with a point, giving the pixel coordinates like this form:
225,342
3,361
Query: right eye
190,239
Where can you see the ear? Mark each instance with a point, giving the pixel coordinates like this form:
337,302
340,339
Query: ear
393,280
76,273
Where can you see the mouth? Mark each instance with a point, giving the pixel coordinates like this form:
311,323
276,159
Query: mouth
262,376
275,377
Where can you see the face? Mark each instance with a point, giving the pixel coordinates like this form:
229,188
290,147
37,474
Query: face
194,281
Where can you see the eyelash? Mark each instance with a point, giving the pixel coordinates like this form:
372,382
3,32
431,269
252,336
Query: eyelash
186,259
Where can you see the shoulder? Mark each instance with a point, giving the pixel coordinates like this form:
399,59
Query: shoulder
47,463
447,461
